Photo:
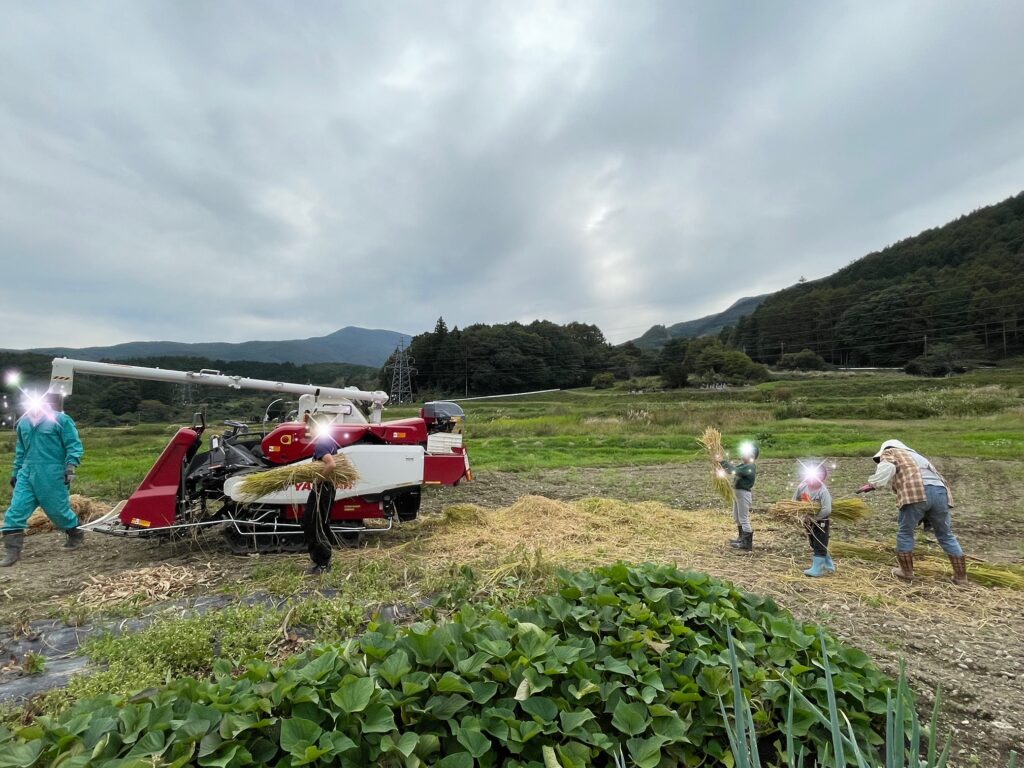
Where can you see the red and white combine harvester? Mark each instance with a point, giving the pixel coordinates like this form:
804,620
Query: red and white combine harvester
189,488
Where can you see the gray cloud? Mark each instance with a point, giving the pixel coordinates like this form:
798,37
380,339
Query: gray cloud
196,171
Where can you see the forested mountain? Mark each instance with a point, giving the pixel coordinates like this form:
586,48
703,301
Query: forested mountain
359,346
956,290
657,336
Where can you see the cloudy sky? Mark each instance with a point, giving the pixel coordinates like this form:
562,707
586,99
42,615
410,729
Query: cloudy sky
228,171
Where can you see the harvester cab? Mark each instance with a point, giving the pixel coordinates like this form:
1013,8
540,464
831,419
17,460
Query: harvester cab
189,488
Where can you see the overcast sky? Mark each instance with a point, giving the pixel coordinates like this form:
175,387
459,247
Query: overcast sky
228,171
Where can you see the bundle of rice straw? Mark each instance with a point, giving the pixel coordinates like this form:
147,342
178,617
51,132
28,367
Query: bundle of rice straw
980,572
849,510
87,510
721,483
262,483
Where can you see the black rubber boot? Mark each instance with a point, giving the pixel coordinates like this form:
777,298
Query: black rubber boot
76,538
13,542
739,537
746,542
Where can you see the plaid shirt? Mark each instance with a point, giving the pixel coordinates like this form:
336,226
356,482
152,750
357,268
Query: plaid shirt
907,483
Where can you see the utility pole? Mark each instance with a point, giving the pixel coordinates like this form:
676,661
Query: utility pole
926,343
1004,338
401,375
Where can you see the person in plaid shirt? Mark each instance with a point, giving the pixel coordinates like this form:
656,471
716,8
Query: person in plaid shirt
923,496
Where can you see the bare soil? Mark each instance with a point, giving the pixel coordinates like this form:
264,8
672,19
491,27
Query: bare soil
969,641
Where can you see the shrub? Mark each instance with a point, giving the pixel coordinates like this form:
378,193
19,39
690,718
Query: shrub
604,380
804,360
632,660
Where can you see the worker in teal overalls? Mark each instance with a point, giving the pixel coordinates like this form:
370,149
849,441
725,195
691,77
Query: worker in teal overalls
46,454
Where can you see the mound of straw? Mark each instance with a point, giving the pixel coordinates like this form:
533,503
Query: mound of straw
87,510
849,510
980,572
261,484
143,585
721,483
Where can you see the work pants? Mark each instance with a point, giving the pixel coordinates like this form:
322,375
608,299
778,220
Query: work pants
316,523
817,534
935,510
40,485
741,510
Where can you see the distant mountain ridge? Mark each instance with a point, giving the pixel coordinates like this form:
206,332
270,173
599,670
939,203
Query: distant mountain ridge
360,346
657,336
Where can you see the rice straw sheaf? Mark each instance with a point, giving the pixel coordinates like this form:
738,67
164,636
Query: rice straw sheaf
263,483
849,510
721,484
87,510
979,571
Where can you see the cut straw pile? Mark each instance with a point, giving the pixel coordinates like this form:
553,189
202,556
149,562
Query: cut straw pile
87,510
273,480
721,483
980,572
849,510
143,585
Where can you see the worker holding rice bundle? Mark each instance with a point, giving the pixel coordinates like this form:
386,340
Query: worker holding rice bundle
812,489
316,522
922,495
744,475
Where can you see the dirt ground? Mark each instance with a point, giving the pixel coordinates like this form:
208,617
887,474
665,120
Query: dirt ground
968,640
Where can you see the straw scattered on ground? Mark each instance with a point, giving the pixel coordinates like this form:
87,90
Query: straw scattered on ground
596,531
144,585
87,510
721,483
273,480
849,510
1007,576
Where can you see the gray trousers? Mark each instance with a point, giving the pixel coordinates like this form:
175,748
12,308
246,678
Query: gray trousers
741,510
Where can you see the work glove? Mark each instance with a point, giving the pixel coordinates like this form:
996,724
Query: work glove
868,488
69,474
14,480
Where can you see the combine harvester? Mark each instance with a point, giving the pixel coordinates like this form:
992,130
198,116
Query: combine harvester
189,488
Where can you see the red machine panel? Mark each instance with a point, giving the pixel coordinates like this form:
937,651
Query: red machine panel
402,432
355,508
446,469
155,502
291,442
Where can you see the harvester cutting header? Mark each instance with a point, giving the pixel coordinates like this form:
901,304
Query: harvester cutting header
189,488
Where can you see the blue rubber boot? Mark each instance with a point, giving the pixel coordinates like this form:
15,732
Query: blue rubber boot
830,566
817,567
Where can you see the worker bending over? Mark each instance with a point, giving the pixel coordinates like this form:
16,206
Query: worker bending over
922,494
46,453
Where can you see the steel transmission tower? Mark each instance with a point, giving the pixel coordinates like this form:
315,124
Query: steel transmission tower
401,375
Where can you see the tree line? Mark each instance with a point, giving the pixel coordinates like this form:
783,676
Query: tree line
512,357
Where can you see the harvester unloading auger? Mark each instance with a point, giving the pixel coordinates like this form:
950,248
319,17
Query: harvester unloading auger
189,489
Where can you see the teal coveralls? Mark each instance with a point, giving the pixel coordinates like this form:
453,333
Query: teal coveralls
41,454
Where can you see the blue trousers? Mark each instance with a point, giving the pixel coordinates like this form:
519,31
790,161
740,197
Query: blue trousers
40,485
935,509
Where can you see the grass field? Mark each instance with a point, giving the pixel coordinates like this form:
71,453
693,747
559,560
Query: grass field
635,449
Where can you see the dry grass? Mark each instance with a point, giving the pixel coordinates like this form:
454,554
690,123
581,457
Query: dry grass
263,483
849,510
595,531
711,441
986,574
143,585
87,510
